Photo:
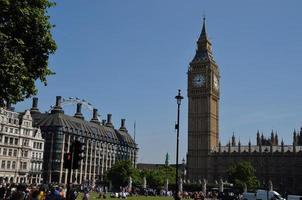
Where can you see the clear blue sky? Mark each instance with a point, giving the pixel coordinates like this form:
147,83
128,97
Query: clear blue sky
129,58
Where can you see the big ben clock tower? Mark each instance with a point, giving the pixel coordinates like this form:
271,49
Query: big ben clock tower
203,111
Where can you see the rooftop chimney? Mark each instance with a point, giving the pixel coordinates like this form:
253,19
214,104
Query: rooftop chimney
109,124
8,105
79,114
34,108
58,108
123,128
95,117
104,122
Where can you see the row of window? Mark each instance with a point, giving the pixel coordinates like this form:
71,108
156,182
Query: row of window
6,129
36,155
36,166
24,153
10,140
10,130
38,145
15,121
10,120
14,141
9,152
7,164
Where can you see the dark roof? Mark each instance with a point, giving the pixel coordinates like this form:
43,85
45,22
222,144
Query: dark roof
81,127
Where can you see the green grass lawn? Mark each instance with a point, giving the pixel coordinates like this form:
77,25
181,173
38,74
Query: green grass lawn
94,195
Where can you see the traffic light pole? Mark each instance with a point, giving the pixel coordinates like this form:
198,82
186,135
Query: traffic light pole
69,172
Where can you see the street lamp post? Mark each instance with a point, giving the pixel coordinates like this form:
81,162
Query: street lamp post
266,177
178,101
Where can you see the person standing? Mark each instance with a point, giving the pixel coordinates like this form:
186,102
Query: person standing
86,194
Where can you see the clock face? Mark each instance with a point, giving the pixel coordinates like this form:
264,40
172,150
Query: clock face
198,80
215,82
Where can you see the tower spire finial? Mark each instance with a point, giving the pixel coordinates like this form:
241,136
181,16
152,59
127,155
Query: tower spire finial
203,31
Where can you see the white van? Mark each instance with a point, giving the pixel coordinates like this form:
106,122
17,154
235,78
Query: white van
262,195
294,197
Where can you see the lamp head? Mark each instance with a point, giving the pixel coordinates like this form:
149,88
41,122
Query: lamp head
178,98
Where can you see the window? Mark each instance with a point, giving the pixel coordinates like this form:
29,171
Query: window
25,142
16,141
15,152
16,131
25,154
6,129
11,130
8,164
24,165
11,140
14,165
33,156
4,151
5,140
3,164
10,152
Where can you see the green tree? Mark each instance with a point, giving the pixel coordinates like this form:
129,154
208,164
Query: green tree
156,178
120,172
243,173
25,45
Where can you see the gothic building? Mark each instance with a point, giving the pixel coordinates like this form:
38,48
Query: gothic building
207,158
104,144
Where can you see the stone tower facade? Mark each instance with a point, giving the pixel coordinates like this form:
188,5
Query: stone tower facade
203,111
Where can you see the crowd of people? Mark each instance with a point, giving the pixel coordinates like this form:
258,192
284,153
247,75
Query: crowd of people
59,192
210,195
33,192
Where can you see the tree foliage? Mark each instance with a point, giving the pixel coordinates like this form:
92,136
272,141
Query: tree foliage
25,45
120,172
243,173
156,178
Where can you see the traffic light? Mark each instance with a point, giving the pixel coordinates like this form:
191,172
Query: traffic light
67,160
79,149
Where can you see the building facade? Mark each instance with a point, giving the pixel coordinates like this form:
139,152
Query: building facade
207,158
104,145
21,148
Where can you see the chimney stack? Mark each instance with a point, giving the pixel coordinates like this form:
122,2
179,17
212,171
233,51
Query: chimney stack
8,105
104,122
79,114
34,108
58,108
95,117
123,128
109,123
